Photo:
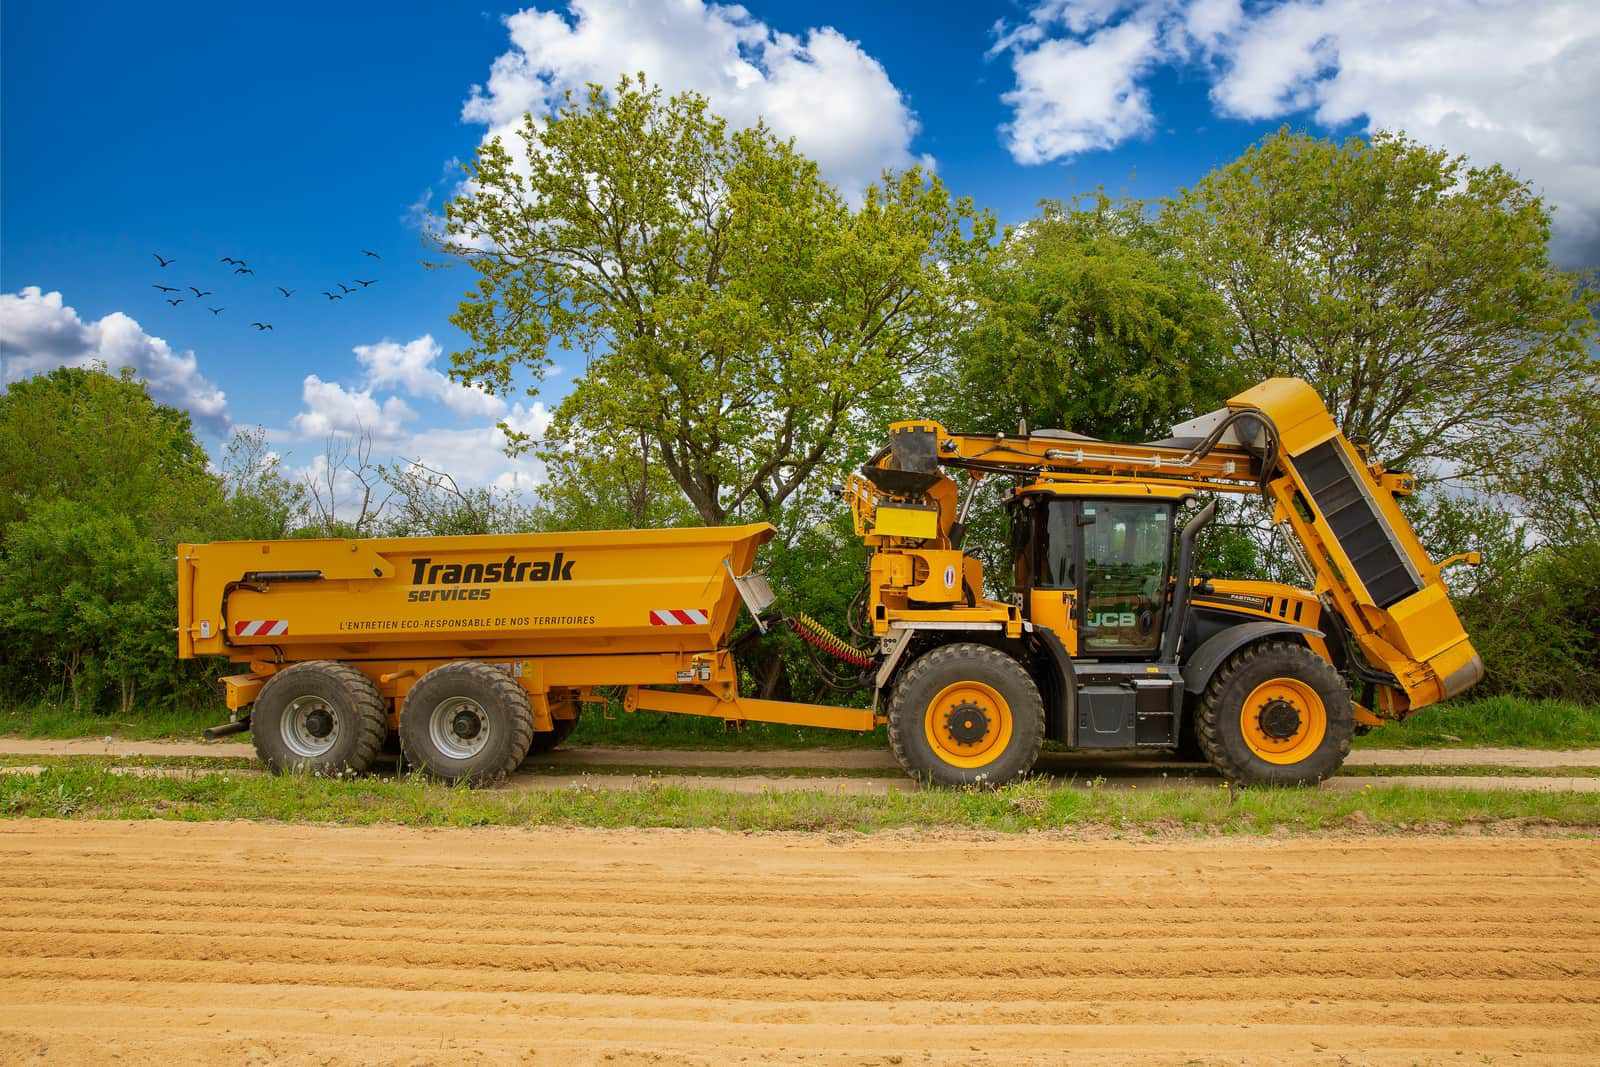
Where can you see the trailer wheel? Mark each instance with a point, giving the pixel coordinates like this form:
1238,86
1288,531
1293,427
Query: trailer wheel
1276,713
547,740
466,721
319,716
966,714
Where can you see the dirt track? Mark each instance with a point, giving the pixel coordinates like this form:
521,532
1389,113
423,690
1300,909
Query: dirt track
232,942
838,771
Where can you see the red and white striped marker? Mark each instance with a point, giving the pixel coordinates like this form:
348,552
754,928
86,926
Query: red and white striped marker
677,617
260,627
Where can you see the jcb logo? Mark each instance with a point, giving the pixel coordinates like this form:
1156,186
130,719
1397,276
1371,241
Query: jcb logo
1112,619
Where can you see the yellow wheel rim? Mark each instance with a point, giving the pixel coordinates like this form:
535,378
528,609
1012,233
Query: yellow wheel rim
968,724
1283,720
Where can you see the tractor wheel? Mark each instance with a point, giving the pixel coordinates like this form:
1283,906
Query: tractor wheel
1276,713
547,740
321,717
966,714
466,721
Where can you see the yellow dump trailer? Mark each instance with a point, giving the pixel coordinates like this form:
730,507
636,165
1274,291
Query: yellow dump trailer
475,650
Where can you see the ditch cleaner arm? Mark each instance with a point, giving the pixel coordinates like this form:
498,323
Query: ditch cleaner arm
1391,613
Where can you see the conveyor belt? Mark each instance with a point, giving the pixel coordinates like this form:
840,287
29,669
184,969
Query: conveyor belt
1345,503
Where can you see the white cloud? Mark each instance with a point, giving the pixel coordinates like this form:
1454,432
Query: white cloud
1508,83
473,456
39,332
393,372
1208,22
477,456
1499,80
822,89
333,409
394,368
409,368
1074,97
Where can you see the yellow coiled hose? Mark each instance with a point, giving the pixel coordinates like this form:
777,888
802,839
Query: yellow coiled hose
814,633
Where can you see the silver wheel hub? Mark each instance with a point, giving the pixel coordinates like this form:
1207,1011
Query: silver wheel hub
459,727
309,727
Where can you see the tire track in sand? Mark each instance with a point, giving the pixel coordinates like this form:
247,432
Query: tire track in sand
231,941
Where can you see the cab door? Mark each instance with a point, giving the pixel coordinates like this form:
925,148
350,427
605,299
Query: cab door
1044,553
1124,548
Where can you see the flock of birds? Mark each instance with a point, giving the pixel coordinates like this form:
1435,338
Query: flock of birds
241,267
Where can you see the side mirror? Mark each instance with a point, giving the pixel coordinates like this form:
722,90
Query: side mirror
1471,559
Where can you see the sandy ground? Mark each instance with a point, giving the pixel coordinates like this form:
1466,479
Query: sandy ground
179,943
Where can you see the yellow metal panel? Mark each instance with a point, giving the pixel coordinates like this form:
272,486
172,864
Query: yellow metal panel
1458,669
185,603
752,710
1052,608
942,585
1294,407
241,690
900,520
472,597
1364,717
972,570
1073,488
1425,623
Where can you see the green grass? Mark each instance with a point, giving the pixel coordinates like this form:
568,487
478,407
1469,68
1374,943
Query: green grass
1178,776
89,792
62,721
210,764
1499,722
1477,770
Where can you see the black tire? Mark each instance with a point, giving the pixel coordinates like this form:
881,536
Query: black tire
319,717
481,698
929,676
547,740
1218,718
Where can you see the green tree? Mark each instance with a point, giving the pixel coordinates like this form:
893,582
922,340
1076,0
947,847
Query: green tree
262,504
85,435
1532,608
735,310
1082,318
1086,319
1414,291
428,502
87,600
1555,472
97,484
607,478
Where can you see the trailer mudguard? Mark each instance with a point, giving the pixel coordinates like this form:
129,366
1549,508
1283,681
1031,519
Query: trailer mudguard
1200,666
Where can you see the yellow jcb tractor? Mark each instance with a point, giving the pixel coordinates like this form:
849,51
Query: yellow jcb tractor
1110,641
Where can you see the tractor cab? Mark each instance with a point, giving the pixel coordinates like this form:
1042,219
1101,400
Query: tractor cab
1092,561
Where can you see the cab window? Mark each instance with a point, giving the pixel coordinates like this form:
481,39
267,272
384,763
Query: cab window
1126,549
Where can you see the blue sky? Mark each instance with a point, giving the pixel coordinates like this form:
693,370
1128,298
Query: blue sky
297,136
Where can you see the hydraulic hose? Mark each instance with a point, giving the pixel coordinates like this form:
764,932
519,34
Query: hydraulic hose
814,633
